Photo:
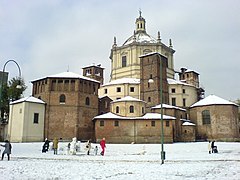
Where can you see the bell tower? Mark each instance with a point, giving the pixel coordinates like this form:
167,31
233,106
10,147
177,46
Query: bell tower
94,72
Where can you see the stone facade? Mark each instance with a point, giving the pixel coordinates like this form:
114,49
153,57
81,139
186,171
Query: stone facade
127,122
71,103
217,119
104,105
188,132
150,92
180,115
133,130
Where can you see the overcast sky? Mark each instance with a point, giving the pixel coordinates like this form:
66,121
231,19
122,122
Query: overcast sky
47,37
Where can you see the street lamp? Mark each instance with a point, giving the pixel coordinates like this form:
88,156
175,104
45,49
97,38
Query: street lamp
163,153
18,86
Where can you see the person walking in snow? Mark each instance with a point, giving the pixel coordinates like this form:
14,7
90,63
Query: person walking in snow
45,146
55,145
209,147
7,150
88,147
212,146
103,146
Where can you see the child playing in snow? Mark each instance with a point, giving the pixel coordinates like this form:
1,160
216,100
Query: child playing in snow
95,150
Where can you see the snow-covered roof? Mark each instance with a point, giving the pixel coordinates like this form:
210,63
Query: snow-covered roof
155,116
174,81
128,98
186,70
123,81
28,99
68,75
93,65
167,106
213,100
151,53
188,124
190,70
140,37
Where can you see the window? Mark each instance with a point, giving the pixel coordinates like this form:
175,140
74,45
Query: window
101,123
124,61
87,101
183,91
105,91
88,71
118,89
116,123
167,124
149,99
184,102
153,123
131,109
142,110
106,104
35,118
173,101
62,99
173,90
117,109
206,117
131,89
96,71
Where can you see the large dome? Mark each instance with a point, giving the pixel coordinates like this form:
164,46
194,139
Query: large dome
140,37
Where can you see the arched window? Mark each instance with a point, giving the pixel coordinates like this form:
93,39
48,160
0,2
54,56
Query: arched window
131,109
117,109
87,102
62,98
206,117
149,99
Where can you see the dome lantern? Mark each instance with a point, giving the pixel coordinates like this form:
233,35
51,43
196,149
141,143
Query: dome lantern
140,23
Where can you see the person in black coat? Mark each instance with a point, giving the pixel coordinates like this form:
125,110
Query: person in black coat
212,146
45,146
7,150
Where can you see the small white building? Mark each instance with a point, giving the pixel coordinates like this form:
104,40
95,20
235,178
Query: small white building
26,120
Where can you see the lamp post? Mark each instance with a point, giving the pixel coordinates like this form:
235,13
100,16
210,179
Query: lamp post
18,86
161,96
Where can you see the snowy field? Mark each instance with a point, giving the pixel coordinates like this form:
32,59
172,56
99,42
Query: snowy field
124,161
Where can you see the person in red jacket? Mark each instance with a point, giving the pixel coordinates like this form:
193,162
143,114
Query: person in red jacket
103,146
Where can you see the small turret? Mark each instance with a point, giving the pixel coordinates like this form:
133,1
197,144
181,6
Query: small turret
170,43
114,42
159,37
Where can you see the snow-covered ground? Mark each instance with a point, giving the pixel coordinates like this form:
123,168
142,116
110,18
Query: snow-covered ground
125,161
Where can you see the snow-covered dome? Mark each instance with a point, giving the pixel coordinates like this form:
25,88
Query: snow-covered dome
140,37
140,34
